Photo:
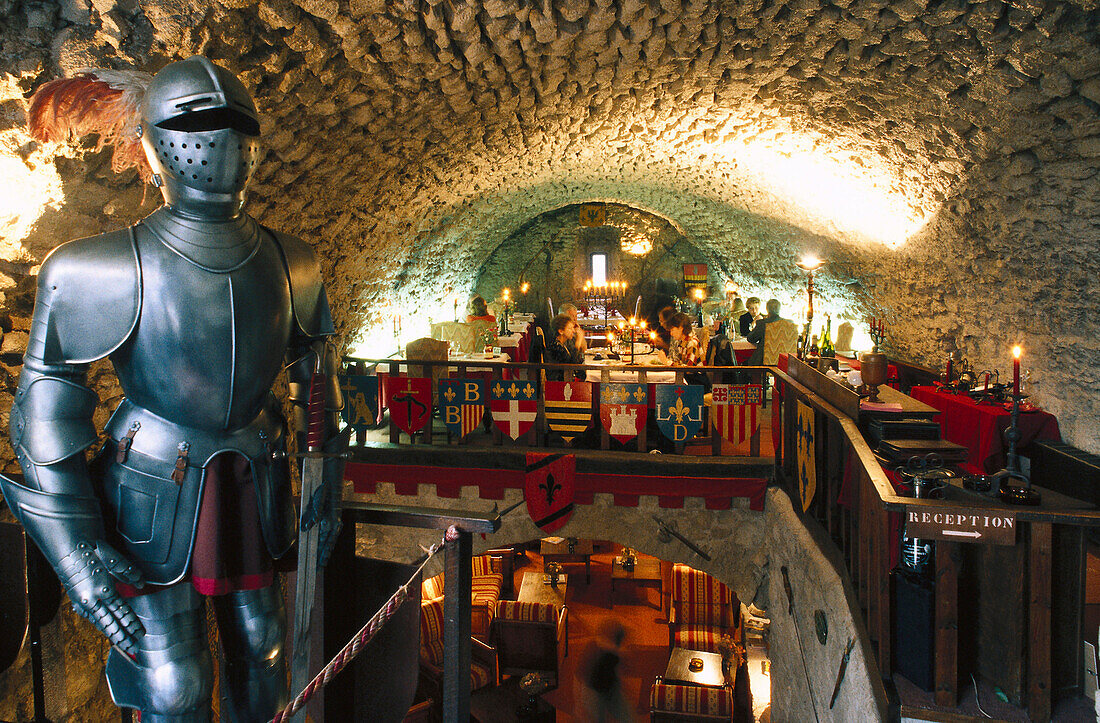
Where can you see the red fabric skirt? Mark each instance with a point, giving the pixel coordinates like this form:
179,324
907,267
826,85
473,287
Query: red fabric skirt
229,553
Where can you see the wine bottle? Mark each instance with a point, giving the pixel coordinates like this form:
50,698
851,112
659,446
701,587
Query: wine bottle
814,349
827,348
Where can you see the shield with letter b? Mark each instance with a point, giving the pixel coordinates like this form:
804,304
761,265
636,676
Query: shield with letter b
462,403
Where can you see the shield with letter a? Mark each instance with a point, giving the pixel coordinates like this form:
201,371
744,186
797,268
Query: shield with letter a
515,405
623,409
679,409
807,457
360,410
462,403
410,402
548,488
568,408
736,410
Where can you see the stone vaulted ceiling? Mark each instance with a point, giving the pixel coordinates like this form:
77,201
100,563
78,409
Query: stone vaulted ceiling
942,154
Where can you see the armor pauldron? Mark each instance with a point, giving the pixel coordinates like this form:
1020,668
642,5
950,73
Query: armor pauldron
311,312
89,296
51,419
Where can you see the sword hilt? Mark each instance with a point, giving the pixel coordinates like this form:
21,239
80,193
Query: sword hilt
315,412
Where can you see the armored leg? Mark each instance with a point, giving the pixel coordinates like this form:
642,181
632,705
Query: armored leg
171,677
252,626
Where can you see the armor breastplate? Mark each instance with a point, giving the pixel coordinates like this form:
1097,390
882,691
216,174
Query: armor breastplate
214,327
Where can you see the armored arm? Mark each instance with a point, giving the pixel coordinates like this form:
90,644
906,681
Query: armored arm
51,427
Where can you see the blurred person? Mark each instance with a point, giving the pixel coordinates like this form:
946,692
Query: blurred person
561,349
751,315
602,692
579,342
756,336
479,311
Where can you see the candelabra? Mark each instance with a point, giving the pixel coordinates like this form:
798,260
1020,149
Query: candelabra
606,294
635,329
1002,486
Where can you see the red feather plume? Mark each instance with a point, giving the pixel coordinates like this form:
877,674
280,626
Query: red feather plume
104,102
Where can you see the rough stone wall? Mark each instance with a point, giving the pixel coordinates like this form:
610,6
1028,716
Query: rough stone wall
748,550
551,253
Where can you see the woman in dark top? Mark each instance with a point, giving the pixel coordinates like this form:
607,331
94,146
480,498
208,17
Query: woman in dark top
560,351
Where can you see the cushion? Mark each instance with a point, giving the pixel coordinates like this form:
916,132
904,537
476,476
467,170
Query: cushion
697,637
700,599
480,676
484,565
485,589
432,587
698,699
534,612
431,631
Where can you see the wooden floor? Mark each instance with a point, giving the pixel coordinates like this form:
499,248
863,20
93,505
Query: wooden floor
646,648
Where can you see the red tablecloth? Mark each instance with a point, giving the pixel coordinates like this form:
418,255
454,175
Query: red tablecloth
742,355
981,427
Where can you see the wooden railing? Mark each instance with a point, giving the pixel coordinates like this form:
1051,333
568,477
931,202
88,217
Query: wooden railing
537,373
1022,590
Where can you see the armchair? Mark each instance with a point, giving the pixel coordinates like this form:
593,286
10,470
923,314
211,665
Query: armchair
683,703
531,638
483,665
702,610
485,588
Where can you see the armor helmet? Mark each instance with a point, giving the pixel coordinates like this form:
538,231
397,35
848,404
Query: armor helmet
200,131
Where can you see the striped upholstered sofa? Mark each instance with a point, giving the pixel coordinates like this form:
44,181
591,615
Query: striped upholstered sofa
702,610
484,594
531,638
671,703
483,665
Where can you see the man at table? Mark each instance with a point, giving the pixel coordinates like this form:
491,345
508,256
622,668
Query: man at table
752,314
578,342
561,350
756,336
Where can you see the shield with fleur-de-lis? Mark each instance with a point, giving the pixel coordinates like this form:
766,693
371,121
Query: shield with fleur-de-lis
462,402
514,404
806,446
623,409
679,409
548,488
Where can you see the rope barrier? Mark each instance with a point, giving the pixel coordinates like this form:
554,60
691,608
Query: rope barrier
364,636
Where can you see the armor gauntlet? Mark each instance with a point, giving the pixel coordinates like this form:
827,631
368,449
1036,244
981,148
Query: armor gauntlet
50,429
326,505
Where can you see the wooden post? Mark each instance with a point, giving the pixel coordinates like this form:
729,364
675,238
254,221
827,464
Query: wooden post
885,602
642,441
1039,605
457,584
395,431
946,671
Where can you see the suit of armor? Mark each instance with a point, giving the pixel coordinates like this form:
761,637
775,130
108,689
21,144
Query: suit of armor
199,309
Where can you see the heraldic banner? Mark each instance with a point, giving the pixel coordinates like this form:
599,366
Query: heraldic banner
679,409
548,488
462,403
360,410
736,408
807,457
514,405
410,402
568,408
623,409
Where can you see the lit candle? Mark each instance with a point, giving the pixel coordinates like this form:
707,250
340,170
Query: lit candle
643,323
1016,351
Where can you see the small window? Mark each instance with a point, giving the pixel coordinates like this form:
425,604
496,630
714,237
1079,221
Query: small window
599,269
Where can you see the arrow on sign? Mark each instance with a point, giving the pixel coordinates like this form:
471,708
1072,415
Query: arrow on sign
957,533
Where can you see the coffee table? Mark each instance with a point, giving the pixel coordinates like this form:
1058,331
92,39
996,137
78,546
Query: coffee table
647,570
559,552
710,674
535,589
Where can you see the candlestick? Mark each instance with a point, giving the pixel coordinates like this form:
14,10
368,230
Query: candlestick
1016,351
